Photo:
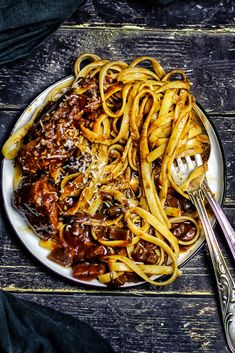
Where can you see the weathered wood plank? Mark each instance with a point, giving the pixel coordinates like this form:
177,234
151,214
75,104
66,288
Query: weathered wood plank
146,324
207,58
177,14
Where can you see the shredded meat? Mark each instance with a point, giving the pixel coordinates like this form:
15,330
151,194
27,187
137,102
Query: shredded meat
52,140
50,144
37,201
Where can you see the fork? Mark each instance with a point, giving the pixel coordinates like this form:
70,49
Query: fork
220,216
224,280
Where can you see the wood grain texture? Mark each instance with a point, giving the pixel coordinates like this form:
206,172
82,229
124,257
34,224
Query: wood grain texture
177,14
207,59
146,324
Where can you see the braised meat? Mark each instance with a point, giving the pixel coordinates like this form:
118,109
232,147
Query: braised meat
87,271
77,246
50,144
62,256
184,231
84,247
52,139
176,200
37,201
145,252
112,233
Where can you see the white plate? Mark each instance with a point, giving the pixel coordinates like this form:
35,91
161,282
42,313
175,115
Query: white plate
215,176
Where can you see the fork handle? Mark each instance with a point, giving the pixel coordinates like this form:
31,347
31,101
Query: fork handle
221,218
225,283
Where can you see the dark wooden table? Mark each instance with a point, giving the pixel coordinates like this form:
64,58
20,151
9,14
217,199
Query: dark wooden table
197,36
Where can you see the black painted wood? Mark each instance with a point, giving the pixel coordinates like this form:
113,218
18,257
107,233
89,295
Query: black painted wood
197,36
146,324
207,58
150,13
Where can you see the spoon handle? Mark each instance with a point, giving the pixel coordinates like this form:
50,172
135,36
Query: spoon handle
224,280
221,218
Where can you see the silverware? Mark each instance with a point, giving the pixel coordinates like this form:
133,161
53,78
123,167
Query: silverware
220,216
224,280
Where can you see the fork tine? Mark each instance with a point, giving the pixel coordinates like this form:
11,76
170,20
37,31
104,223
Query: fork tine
198,160
180,164
189,162
182,167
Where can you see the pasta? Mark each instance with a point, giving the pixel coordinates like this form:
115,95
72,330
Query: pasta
95,171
